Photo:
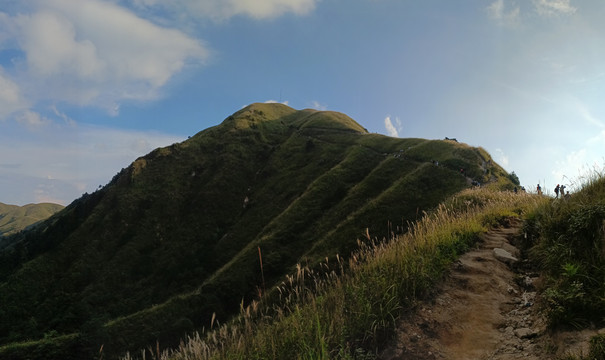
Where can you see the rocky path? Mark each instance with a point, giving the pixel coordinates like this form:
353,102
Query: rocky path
483,310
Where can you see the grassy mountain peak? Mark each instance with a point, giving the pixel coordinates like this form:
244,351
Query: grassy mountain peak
14,218
252,115
189,231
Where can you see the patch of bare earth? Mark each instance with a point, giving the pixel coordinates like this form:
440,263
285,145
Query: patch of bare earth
484,309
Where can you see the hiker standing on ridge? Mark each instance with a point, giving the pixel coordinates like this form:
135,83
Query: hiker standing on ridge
539,189
557,192
562,191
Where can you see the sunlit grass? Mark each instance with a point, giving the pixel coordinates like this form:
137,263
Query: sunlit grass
567,240
346,308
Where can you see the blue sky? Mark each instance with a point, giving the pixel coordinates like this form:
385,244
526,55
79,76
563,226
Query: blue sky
87,86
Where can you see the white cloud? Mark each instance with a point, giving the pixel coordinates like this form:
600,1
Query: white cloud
502,158
32,119
554,7
100,53
66,119
500,12
509,13
11,99
573,167
275,102
49,40
392,130
91,52
224,9
255,8
496,9
318,106
570,167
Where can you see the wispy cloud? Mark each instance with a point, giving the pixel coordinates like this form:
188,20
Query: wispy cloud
509,13
32,120
318,106
504,14
285,102
570,166
587,115
502,158
224,9
392,129
66,119
11,99
599,138
554,7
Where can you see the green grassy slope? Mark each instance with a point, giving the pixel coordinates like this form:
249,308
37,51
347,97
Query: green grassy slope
566,238
175,237
329,314
15,218
334,314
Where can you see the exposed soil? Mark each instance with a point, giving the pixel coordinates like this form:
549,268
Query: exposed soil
484,309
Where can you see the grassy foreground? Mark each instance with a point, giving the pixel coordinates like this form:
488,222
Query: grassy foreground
566,238
567,241
346,309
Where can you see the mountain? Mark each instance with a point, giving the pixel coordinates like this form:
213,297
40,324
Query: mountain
178,237
15,218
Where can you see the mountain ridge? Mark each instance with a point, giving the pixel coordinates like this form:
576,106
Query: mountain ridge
177,236
14,218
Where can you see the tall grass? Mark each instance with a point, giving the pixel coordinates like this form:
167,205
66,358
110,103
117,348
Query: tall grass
567,240
345,309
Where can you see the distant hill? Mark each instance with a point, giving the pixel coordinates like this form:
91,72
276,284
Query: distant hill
178,235
15,218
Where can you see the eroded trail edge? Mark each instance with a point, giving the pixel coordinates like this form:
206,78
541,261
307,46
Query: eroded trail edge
484,309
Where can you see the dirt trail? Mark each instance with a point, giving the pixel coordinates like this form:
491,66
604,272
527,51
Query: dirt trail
483,310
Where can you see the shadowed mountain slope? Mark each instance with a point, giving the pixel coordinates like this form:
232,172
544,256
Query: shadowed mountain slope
14,218
176,236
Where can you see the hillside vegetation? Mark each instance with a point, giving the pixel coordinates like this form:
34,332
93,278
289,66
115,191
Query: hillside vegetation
566,237
190,232
349,309
15,218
